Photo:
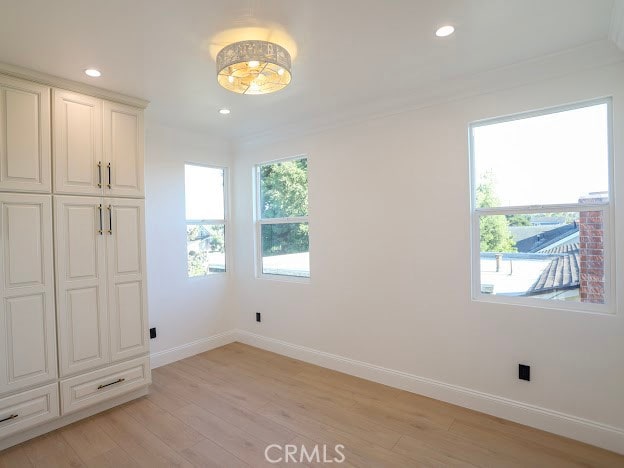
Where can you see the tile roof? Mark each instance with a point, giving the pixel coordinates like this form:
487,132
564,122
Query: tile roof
541,240
562,272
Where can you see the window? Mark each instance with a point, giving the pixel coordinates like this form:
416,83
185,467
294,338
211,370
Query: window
541,207
206,224
282,219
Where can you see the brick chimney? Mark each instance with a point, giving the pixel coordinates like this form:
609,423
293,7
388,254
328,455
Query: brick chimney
591,250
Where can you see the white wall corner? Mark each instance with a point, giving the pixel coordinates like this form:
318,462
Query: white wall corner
567,425
616,31
167,356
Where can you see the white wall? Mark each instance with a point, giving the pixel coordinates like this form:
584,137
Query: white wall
188,312
390,267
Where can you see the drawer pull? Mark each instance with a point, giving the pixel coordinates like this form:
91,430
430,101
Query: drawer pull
100,387
13,416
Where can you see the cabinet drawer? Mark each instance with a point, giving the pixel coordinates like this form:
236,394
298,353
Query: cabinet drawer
100,385
28,409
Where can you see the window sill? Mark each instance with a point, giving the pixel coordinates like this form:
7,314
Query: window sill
284,278
585,308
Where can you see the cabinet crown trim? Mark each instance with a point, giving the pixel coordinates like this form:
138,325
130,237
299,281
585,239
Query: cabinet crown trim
70,85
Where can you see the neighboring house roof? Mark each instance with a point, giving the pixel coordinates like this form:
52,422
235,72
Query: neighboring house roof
563,248
524,232
561,273
542,239
560,246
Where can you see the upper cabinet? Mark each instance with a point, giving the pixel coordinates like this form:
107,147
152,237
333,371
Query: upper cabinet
123,150
78,163
98,146
24,136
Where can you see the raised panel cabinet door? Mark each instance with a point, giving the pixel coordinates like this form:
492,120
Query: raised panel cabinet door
24,136
77,152
123,150
127,301
81,283
27,316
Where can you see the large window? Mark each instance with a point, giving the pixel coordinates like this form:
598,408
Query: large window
206,223
541,207
282,219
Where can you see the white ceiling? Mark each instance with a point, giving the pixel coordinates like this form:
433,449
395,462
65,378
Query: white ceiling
348,51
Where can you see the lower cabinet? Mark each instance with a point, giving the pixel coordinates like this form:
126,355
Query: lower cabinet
97,386
100,264
28,409
27,318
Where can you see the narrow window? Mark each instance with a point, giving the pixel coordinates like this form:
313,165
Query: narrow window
282,219
206,223
541,207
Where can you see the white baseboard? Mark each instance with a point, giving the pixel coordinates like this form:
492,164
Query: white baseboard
574,427
161,358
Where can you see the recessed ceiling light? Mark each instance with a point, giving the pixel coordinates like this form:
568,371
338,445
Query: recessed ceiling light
445,31
224,111
92,72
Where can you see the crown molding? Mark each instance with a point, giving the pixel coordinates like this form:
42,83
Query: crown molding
585,57
70,85
616,31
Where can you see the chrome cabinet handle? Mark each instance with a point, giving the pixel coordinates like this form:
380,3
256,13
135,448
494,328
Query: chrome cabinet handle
100,387
100,174
101,230
13,416
108,166
110,219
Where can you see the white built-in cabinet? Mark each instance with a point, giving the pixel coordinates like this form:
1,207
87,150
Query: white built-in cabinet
127,299
123,150
24,136
100,255
98,146
73,316
27,318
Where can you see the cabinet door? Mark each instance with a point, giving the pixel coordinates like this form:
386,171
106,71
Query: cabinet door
77,153
24,136
81,283
123,150
125,253
27,325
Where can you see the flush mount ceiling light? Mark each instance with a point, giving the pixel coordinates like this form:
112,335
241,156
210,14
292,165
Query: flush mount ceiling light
253,67
445,31
224,111
93,73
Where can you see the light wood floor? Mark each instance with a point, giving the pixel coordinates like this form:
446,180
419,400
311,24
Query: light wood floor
223,407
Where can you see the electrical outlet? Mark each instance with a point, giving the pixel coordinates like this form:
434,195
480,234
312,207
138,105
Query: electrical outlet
524,372
258,317
152,333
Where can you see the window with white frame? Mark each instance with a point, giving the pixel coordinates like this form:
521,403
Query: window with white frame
282,218
541,207
206,224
